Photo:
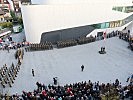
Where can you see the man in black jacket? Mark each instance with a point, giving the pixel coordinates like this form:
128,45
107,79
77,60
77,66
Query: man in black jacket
82,68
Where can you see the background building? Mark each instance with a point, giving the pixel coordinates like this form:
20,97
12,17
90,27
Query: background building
16,7
5,7
68,20
2,16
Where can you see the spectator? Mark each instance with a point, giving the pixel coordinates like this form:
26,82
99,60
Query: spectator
33,72
55,80
82,68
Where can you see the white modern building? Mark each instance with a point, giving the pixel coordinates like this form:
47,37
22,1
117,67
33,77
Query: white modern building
63,18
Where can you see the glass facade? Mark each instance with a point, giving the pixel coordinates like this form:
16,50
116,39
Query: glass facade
125,9
113,24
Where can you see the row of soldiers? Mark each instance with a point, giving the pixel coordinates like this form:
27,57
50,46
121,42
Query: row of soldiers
7,75
73,42
67,43
40,46
113,34
108,35
125,36
85,40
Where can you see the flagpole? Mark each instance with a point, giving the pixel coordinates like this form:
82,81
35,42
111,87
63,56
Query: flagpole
104,41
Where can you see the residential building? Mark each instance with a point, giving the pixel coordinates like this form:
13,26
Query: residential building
59,20
2,16
5,7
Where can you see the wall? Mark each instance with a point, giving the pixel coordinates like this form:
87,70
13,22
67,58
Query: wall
66,34
44,18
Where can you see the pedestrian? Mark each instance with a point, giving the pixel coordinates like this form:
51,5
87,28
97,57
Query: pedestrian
33,72
8,49
82,68
128,79
55,80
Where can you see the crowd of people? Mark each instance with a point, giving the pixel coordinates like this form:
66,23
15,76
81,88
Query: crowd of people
8,43
8,74
86,90
76,91
127,37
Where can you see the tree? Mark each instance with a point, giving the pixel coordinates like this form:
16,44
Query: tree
20,21
9,25
13,15
6,25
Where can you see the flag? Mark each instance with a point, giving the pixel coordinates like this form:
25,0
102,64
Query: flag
104,35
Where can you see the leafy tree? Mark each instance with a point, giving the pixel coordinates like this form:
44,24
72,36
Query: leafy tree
13,15
6,25
20,21
9,25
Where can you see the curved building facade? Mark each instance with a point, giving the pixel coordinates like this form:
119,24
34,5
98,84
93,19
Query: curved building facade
64,15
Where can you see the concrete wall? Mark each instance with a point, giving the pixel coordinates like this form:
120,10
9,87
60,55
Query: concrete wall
39,19
65,34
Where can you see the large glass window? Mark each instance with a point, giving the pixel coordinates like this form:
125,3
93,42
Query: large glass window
126,9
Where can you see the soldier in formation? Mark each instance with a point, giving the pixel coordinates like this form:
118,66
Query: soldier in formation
7,75
38,47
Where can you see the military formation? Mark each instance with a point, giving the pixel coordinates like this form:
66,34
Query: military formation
39,47
85,40
66,43
73,42
8,75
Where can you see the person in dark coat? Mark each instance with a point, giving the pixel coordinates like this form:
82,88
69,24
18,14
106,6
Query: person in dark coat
82,68
55,80
33,72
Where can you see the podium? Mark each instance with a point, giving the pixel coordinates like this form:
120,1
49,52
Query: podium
102,50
